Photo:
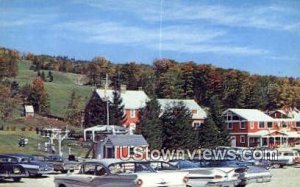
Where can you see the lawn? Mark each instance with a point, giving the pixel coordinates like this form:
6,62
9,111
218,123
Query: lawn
9,143
59,90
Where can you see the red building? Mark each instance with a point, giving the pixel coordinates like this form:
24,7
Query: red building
253,128
133,101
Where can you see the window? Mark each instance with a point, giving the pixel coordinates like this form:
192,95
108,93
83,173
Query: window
242,139
242,125
229,126
270,125
194,111
252,140
196,124
298,124
251,125
261,124
284,125
132,113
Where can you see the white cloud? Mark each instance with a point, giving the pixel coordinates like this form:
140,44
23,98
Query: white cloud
187,39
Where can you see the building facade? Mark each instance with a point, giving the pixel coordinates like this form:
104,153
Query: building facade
254,128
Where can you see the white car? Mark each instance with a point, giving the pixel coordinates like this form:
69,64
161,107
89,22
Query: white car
200,177
118,173
293,157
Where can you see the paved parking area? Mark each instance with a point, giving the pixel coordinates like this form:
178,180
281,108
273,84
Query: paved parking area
286,177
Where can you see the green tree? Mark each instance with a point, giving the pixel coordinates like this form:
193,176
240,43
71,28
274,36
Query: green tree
150,125
50,76
177,131
207,134
94,111
73,114
43,77
116,110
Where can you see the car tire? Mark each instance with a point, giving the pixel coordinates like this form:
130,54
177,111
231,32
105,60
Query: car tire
61,185
17,179
276,166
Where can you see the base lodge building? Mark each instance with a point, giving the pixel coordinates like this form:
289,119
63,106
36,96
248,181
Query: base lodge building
135,100
254,128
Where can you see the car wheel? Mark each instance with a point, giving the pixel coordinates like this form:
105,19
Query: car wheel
276,166
64,171
61,185
17,179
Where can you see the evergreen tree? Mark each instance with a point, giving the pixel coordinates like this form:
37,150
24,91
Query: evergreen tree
150,125
95,111
207,134
43,77
177,131
216,119
50,76
73,114
116,110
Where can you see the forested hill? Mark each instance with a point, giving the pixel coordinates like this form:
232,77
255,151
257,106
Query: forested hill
167,78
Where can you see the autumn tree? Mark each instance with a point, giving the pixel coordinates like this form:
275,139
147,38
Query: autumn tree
39,97
9,102
8,63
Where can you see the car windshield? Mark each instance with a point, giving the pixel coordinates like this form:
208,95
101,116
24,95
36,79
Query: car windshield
129,167
162,166
8,159
55,158
38,158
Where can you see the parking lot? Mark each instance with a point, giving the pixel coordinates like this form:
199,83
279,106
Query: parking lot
286,177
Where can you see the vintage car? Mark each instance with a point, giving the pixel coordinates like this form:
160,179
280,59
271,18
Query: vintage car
293,157
33,167
63,164
207,176
59,163
114,172
11,171
248,172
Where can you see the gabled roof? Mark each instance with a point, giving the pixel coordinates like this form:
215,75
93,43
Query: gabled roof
127,140
132,99
250,114
189,103
29,108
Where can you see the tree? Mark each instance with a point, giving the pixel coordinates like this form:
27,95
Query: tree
39,97
150,125
43,77
94,111
9,102
177,131
116,110
8,63
207,134
215,119
73,115
50,76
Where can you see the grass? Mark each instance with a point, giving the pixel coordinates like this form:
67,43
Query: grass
10,139
59,90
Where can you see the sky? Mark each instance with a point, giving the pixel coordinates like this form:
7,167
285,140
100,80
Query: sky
262,37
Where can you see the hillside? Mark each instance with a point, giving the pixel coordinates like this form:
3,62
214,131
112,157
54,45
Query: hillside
59,90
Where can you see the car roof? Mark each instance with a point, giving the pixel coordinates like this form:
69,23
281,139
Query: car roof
107,162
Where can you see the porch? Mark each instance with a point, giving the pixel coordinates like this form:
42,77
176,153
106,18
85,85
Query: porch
273,139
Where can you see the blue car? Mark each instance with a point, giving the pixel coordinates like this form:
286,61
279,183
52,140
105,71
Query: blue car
32,166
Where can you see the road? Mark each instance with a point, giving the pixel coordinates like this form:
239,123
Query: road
286,177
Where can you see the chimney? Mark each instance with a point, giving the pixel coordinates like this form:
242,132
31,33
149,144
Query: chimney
123,88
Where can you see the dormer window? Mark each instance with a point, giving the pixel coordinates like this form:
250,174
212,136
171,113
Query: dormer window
194,111
132,113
